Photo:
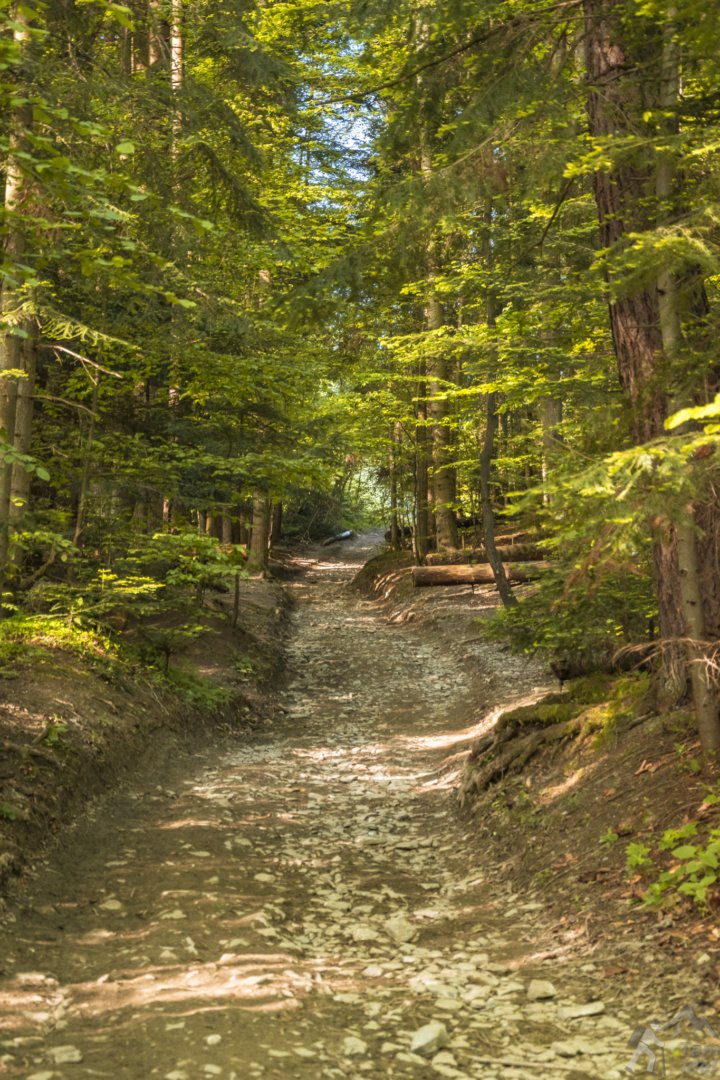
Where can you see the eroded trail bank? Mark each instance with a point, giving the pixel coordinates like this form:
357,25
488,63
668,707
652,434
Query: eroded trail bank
303,904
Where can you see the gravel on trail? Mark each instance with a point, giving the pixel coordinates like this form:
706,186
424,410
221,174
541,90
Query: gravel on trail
305,902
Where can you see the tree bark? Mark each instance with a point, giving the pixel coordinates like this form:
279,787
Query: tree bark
17,340
395,535
488,516
444,477
277,524
617,100
477,574
705,698
421,535
260,534
158,35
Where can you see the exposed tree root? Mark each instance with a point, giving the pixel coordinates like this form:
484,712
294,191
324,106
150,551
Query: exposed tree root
507,752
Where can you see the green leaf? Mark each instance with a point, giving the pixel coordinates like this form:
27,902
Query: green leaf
685,851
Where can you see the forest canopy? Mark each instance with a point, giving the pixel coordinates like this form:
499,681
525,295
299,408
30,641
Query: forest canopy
283,269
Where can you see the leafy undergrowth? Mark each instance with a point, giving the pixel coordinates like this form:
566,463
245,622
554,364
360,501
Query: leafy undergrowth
79,707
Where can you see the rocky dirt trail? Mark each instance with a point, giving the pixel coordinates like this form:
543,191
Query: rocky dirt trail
305,903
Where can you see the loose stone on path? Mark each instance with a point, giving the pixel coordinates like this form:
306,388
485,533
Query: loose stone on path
303,902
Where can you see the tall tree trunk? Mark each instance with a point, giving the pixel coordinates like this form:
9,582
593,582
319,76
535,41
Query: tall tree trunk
622,193
488,515
444,475
421,535
393,470
486,459
17,338
705,698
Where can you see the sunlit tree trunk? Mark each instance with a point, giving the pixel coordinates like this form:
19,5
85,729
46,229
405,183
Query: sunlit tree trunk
647,331
705,698
614,102
158,34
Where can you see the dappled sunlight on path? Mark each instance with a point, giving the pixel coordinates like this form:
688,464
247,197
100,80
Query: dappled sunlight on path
302,903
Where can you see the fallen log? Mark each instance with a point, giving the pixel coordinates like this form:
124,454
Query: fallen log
347,535
480,574
516,553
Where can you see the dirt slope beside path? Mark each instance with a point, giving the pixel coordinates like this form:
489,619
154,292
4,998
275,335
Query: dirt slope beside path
305,904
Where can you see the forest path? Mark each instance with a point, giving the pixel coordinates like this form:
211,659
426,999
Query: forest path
303,903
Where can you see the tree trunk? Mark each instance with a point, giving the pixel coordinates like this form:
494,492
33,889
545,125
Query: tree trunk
260,534
705,699
421,535
488,516
277,524
158,34
17,339
616,104
395,533
615,107
444,477
227,530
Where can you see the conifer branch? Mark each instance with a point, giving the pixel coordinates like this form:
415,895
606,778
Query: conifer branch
438,61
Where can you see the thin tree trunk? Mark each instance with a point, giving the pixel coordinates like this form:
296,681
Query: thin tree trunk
422,514
444,475
488,515
393,470
227,530
444,480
